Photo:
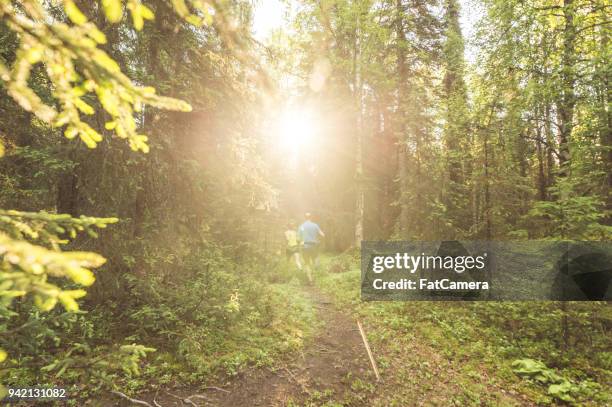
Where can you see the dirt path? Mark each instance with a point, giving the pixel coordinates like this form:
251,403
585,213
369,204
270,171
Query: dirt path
330,364
334,370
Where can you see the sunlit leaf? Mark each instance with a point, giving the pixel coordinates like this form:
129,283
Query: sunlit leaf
112,10
81,276
74,14
68,302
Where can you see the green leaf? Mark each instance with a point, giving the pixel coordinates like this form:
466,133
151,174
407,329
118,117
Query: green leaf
84,107
71,132
97,35
528,366
562,391
74,14
147,13
68,302
46,304
106,62
81,276
113,10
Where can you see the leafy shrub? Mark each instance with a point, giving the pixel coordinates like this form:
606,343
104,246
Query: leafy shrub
559,387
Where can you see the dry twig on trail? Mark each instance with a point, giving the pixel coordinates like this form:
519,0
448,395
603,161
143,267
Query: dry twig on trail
155,403
188,400
367,346
131,400
199,396
183,400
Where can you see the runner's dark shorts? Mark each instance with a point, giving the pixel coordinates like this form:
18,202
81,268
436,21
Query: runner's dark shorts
310,252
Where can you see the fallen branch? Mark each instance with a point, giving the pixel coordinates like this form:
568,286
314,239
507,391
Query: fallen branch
155,403
198,396
180,398
131,400
367,346
188,400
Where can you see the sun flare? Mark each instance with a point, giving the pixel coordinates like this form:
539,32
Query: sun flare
296,131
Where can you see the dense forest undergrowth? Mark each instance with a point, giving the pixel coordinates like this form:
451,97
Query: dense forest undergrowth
249,319
439,353
444,353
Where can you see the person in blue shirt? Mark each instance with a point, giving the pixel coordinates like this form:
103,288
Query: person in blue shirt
309,234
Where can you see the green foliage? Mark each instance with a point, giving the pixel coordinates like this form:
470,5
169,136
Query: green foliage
572,215
193,322
26,267
125,358
559,387
496,340
29,269
61,48
541,144
219,317
47,228
56,66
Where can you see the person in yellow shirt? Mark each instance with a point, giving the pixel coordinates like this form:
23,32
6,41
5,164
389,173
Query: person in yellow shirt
293,247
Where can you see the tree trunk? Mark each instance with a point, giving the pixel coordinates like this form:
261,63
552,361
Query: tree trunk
67,188
487,203
402,76
541,173
550,142
358,95
567,101
606,121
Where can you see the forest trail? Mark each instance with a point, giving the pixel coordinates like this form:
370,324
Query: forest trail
330,361
333,370
330,366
